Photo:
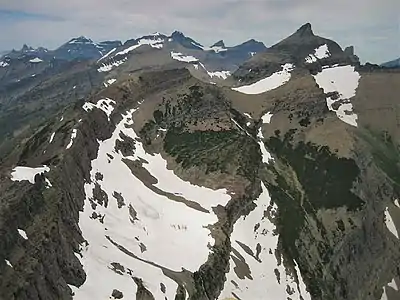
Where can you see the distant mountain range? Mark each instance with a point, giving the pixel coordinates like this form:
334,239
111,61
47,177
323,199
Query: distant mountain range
392,64
83,48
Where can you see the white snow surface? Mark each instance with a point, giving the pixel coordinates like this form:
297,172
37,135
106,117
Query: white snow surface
162,232
256,232
396,202
154,43
9,264
73,136
181,57
266,119
107,54
52,137
104,105
62,118
343,80
390,224
391,284
109,82
267,84
27,173
35,60
248,115
319,53
216,49
23,234
266,156
3,64
219,74
106,67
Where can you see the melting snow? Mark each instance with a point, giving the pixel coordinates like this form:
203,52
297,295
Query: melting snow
266,119
23,234
181,57
254,243
220,74
109,66
343,80
27,173
104,104
73,136
319,53
3,64
36,60
52,137
390,224
266,156
272,82
156,231
9,264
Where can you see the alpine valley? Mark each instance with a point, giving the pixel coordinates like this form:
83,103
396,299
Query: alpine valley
160,168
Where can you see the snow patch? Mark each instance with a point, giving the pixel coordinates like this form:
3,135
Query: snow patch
248,115
319,53
181,57
154,43
3,64
36,60
254,243
266,119
73,136
27,173
107,54
106,67
396,202
9,264
62,118
48,183
219,74
390,224
104,104
272,82
147,220
109,82
52,137
23,234
343,80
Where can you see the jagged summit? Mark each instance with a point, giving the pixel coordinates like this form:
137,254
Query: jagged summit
305,30
220,43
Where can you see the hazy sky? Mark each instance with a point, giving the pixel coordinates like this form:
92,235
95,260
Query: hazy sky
372,26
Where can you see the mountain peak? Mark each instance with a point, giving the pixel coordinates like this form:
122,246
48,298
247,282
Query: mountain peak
220,43
305,30
80,40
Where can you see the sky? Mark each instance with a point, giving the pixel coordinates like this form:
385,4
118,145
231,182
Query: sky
371,26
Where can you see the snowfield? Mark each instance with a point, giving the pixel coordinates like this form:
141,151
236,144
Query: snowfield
253,259
184,58
319,53
343,80
139,228
104,105
267,84
107,54
27,173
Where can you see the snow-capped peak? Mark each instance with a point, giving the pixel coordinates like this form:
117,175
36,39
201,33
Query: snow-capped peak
80,40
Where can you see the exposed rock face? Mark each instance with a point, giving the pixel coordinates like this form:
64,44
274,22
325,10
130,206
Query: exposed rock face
332,188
